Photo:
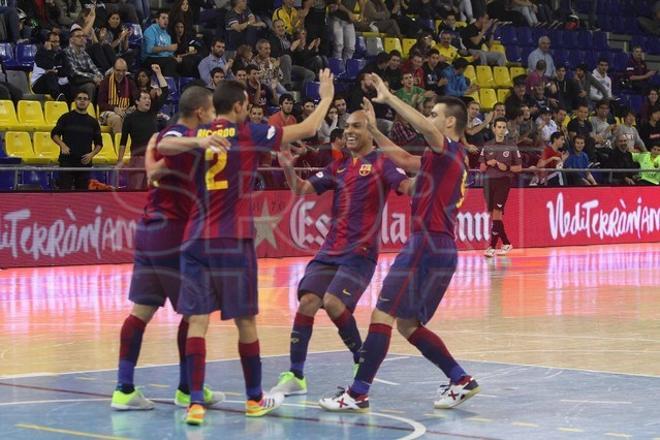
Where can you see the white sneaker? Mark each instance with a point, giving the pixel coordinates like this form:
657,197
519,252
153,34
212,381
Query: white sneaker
490,252
269,402
454,394
505,249
343,402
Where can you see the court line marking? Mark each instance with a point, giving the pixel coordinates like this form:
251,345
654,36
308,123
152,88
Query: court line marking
400,358
37,402
618,434
387,382
526,424
68,432
604,402
570,429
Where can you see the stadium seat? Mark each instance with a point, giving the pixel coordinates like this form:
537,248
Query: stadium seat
53,110
353,68
90,109
173,89
374,46
487,98
6,53
636,103
585,39
312,90
620,62
508,36
502,77
31,116
45,149
360,47
337,66
135,39
107,155
600,41
502,94
127,152
390,44
524,36
514,55
406,44
570,40
485,77
19,145
470,74
8,119
474,96
25,56
517,71
184,81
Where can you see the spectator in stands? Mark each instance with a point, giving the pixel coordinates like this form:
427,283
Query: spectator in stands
139,125
433,78
180,11
527,9
241,25
542,52
448,52
376,13
328,125
631,134
553,155
290,16
578,159
186,53
142,8
9,13
648,161
518,97
586,82
157,46
260,94
69,11
117,93
315,21
621,158
399,9
651,25
117,37
83,73
306,53
280,48
268,66
539,98
536,77
75,133
637,71
545,125
216,58
285,116
457,83
600,75
341,19
384,113
528,135
217,75
563,91
581,125
479,34
499,110
378,65
424,43
475,132
650,102
334,150
427,104
414,66
308,106
158,91
342,115
392,74
243,57
410,93
257,115
602,130
650,131
448,26
240,74
48,72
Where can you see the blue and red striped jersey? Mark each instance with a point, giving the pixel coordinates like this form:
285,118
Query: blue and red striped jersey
361,187
439,189
223,182
170,196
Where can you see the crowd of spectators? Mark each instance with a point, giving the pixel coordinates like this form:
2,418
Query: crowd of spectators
558,114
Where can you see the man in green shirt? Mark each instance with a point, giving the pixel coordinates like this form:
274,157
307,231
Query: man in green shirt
410,93
649,160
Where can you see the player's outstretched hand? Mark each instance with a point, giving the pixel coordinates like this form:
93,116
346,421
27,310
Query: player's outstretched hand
369,111
285,158
382,91
216,142
327,87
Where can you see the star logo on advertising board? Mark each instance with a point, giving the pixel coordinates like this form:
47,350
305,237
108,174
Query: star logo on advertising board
265,225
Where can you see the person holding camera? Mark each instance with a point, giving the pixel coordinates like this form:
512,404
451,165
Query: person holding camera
48,75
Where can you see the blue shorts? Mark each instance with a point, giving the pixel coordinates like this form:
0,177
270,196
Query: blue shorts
219,274
345,278
419,277
156,276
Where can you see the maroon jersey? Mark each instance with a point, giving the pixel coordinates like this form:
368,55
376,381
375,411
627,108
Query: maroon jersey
439,189
223,181
501,152
170,196
361,186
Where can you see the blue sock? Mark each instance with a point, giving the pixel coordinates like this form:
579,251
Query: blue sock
433,349
300,336
372,354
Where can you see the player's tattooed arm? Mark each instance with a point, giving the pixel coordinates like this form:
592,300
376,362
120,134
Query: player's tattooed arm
297,185
173,145
433,136
398,155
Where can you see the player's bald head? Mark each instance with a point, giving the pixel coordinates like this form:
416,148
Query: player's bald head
358,137
358,116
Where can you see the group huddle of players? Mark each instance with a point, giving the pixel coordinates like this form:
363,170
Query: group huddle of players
194,244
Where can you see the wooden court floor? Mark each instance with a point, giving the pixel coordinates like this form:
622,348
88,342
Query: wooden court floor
590,308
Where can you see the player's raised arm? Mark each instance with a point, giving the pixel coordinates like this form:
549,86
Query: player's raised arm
310,126
173,145
433,136
398,155
298,186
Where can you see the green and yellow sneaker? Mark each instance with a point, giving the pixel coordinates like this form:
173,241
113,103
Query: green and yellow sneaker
195,415
210,397
289,385
134,401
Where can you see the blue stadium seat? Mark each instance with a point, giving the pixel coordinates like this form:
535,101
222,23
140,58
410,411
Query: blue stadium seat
184,81
507,36
6,53
513,54
25,56
173,89
620,62
584,40
353,68
591,59
525,37
559,57
635,103
426,23
600,41
337,66
360,47
570,40
312,90
576,57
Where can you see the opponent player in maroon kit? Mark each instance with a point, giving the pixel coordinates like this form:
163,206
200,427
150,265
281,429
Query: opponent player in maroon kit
498,161
422,271
342,269
158,238
219,261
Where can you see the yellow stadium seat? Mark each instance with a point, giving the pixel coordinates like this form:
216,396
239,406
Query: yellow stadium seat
502,77
391,43
474,96
45,149
517,71
498,47
461,24
18,144
53,110
470,74
437,24
407,44
487,98
31,116
502,94
485,77
8,120
90,109
107,155
127,152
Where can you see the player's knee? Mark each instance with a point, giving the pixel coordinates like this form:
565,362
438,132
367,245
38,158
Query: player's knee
143,313
333,305
247,329
309,304
406,327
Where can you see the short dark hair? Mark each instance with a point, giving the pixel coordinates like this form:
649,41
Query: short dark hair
284,97
336,133
499,120
433,51
455,107
84,92
227,94
338,96
193,98
556,135
577,136
308,99
382,57
459,63
216,70
603,60
217,40
251,68
395,53
161,12
139,95
603,102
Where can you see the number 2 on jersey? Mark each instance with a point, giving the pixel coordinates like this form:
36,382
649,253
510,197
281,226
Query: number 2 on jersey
215,169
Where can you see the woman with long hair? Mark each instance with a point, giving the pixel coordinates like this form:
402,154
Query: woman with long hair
186,54
650,102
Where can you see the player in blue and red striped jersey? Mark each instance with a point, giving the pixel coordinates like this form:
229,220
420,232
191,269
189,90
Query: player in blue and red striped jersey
158,239
341,271
422,271
219,260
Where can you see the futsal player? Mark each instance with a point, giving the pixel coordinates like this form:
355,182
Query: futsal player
498,160
219,260
156,275
421,272
342,269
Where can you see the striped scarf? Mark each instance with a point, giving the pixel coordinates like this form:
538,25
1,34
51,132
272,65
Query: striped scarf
121,100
